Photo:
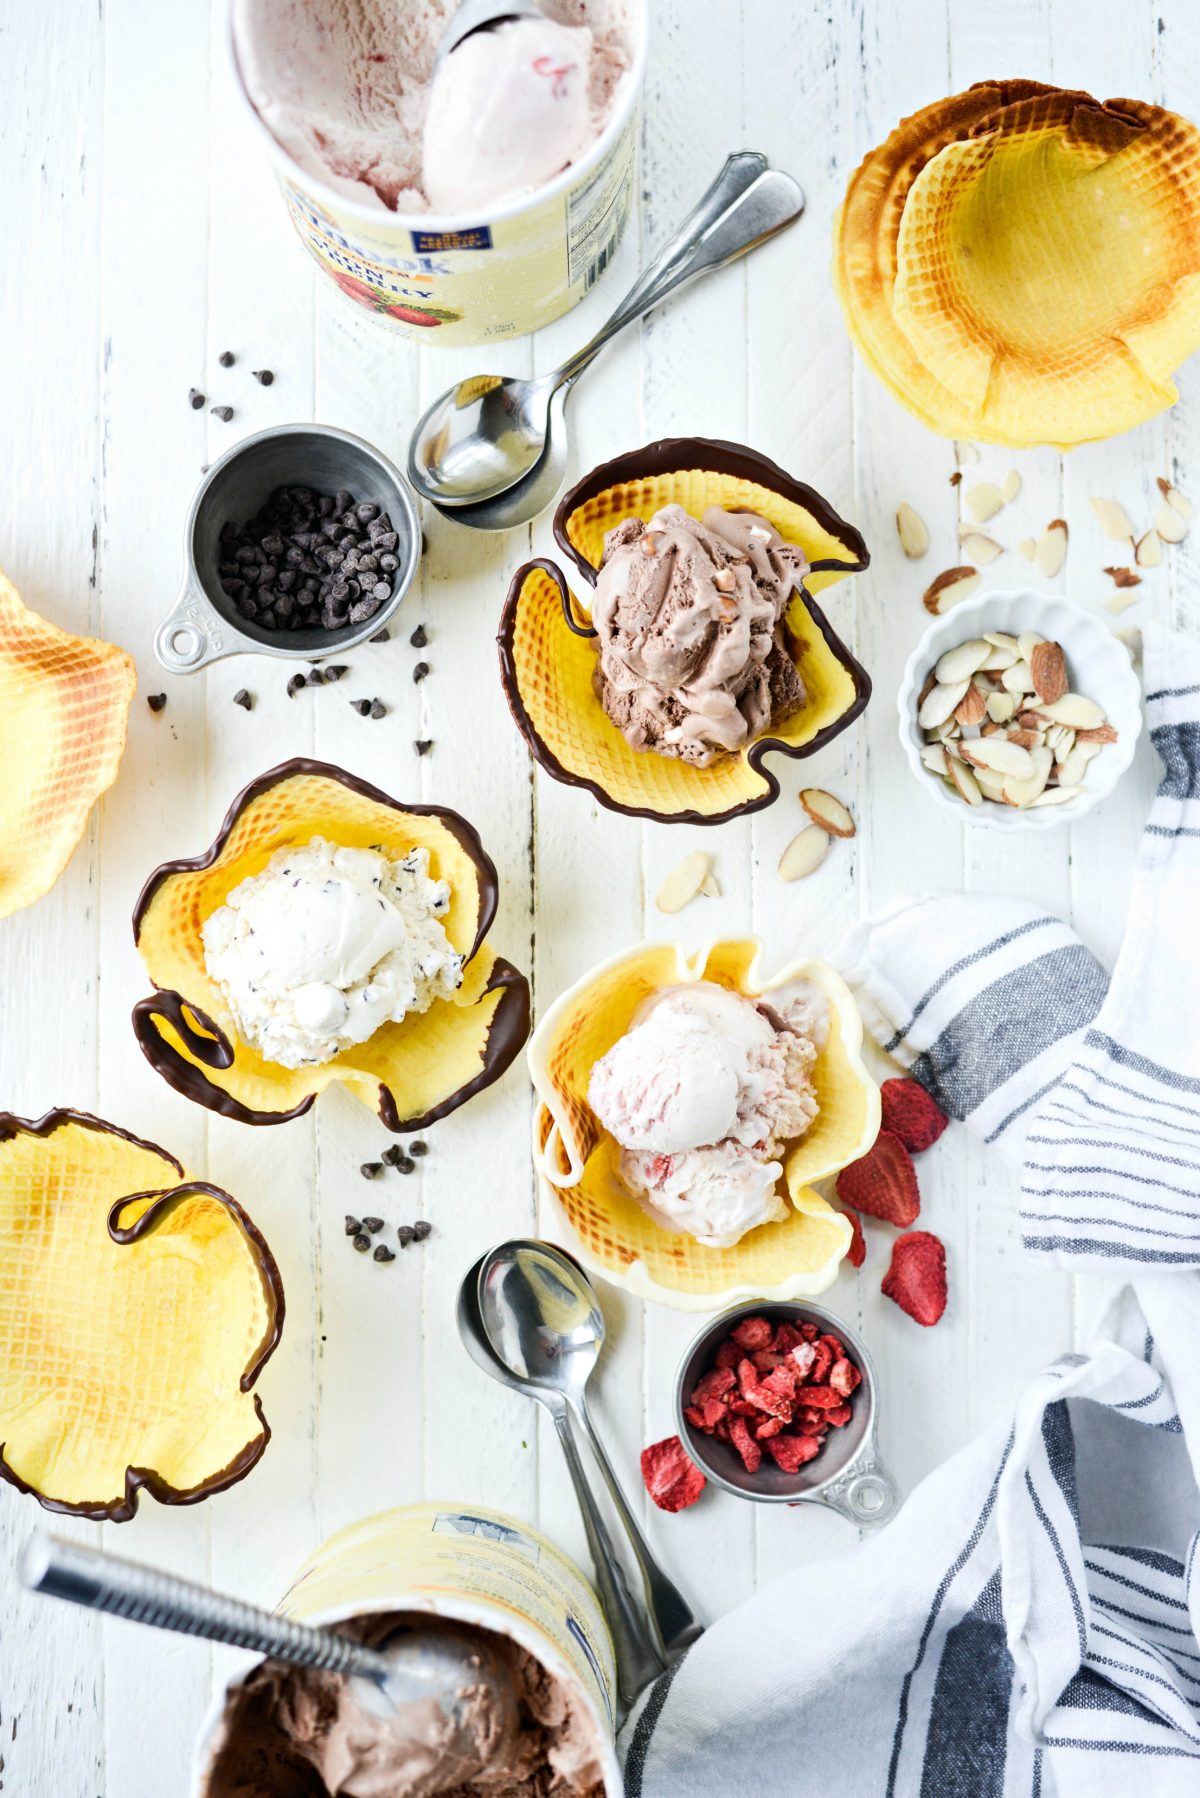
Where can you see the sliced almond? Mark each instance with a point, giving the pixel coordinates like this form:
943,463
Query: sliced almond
980,548
983,501
1000,754
1148,553
1027,547
962,661
914,537
968,455
805,853
964,782
927,689
1077,711
1179,502
1051,550
950,587
1022,793
971,709
934,757
947,729
991,784
1048,666
1171,525
1099,733
1113,520
684,882
1073,772
1000,706
1056,796
999,660
1132,639
1121,602
710,888
1063,741
941,703
827,811
1028,641
1002,640
1026,739
1017,679
1010,486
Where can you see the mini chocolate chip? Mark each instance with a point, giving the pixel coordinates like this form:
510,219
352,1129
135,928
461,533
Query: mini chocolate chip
372,1225
352,1225
226,358
195,399
365,513
316,678
242,698
294,685
361,706
406,1234
381,590
423,745
383,1253
382,636
362,1243
378,709
156,701
420,671
418,638
421,1230
264,375
224,413
370,1169
336,670
392,1154
418,1148
406,1165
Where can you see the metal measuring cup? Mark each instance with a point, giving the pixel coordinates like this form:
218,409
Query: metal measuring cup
847,1476
205,624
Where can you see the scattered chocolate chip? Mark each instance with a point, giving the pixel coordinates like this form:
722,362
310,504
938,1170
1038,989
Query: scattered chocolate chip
370,1169
418,1148
383,636
156,701
421,1230
378,709
362,1243
420,671
316,678
383,1253
242,698
224,413
336,670
405,1165
372,1225
406,1234
264,375
418,638
295,684
352,1225
361,706
392,1154
195,399
423,745
226,358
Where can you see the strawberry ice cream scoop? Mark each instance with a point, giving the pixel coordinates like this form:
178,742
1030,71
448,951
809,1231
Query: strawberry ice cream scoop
508,110
671,1083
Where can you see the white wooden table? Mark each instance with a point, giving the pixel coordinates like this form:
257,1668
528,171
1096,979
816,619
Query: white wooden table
143,236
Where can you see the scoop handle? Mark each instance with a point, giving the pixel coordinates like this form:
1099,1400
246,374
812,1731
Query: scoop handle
104,1582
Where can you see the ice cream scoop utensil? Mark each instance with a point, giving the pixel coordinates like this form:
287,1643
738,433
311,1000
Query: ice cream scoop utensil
482,15
487,434
638,1657
429,1664
544,1322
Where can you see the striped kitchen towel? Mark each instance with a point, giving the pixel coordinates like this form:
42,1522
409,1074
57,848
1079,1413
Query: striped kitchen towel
1014,1027
1027,1627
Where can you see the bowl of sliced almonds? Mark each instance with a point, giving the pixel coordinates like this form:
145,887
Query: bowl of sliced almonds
1019,712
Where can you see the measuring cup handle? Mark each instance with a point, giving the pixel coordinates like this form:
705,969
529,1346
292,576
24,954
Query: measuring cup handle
192,635
866,1493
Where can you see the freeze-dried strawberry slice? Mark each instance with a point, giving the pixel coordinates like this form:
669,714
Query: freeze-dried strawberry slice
839,1417
883,1183
713,1410
810,1421
823,1360
912,1114
770,1426
745,1444
766,1360
713,1384
695,1417
728,1355
916,1280
787,1337
753,1333
775,1404
747,1376
856,1254
809,1332
804,1354
672,1478
783,1382
844,1377
791,1452
823,1397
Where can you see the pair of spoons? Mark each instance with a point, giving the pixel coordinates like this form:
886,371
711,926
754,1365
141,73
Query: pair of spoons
530,1319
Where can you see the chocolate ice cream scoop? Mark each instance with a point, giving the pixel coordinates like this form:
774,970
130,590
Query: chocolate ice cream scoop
689,619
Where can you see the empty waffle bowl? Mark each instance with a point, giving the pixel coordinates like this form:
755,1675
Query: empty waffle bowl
578,1161
1021,263
548,654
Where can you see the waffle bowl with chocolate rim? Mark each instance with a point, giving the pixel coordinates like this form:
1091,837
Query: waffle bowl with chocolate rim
577,1160
412,1072
137,1309
1021,263
64,712
548,656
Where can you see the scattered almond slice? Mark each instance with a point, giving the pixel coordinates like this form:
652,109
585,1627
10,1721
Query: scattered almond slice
1132,639
1056,796
983,501
1077,711
1148,553
684,882
1048,668
1171,525
961,662
1027,547
1113,520
805,853
1010,486
980,548
950,587
964,782
1051,551
828,812
941,703
914,537
1121,602
710,888
1179,502
968,455
1123,577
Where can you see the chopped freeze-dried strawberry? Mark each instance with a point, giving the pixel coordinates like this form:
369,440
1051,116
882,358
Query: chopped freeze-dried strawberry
753,1333
783,1382
770,1426
856,1254
916,1280
672,1478
809,1332
771,1402
787,1337
804,1354
839,1417
747,1375
823,1360
766,1360
741,1407
912,1114
823,1397
745,1444
728,1355
713,1410
713,1384
834,1345
810,1421
844,1377
883,1183
695,1417
791,1452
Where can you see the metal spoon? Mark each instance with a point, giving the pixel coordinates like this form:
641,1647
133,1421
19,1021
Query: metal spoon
481,15
639,1659
430,1664
544,1322
488,434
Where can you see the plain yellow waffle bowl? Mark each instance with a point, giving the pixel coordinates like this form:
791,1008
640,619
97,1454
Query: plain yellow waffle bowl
64,708
137,1308
577,1159
412,1072
548,654
1021,263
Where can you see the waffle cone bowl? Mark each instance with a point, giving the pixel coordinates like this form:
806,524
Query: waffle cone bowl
548,656
411,1072
64,708
137,1308
1021,263
578,1161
